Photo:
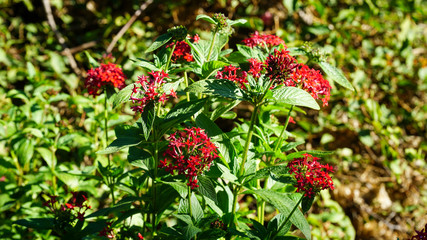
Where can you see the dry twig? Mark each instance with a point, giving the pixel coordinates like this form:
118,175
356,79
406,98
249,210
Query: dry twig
59,36
127,25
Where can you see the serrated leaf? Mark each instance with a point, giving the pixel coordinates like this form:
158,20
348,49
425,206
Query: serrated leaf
336,75
122,96
295,96
206,18
210,67
159,42
218,87
207,188
285,205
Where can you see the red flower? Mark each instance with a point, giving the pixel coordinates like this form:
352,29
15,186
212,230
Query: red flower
255,67
231,73
421,235
311,176
190,152
107,231
149,88
263,40
279,66
311,81
105,74
140,236
182,50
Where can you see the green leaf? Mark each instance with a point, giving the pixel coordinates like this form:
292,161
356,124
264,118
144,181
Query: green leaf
25,150
140,158
160,41
291,145
47,156
265,172
295,96
147,65
168,87
206,188
210,67
285,205
306,204
147,119
31,71
197,52
106,211
122,96
237,21
197,210
93,63
206,18
296,51
314,153
181,112
180,187
36,223
190,232
336,75
218,87
122,141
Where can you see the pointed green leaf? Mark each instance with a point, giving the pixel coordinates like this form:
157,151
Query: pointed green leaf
147,65
140,158
181,112
295,96
197,210
206,18
190,232
160,41
122,96
206,188
121,143
218,87
36,223
93,63
147,119
211,67
336,75
180,187
285,205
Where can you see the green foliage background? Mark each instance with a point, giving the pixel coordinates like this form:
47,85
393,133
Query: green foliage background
49,125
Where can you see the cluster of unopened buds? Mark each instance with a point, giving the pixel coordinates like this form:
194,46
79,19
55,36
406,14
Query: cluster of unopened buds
149,88
311,176
219,224
104,75
190,152
281,68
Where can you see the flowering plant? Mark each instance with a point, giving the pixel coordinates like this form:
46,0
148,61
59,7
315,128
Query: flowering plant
185,168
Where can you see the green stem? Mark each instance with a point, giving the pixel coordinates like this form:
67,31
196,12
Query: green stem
156,163
288,217
279,140
190,210
170,57
261,203
110,181
186,86
248,140
212,44
233,209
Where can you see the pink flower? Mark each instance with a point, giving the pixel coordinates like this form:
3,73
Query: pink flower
310,175
263,40
190,152
105,74
234,74
149,88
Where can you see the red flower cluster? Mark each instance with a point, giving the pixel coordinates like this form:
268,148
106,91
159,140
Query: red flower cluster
107,231
263,40
105,74
311,176
149,88
311,81
182,50
190,152
421,235
66,214
231,73
279,66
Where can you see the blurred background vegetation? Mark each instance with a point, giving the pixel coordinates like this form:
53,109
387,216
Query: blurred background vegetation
48,122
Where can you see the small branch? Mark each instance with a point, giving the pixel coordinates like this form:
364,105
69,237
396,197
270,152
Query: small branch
52,24
127,25
80,47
